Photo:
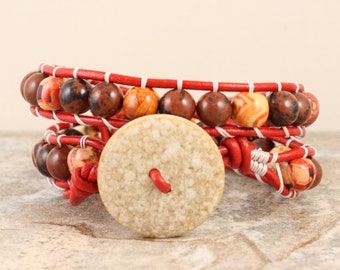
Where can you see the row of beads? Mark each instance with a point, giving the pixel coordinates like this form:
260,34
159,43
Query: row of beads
300,173
248,110
59,161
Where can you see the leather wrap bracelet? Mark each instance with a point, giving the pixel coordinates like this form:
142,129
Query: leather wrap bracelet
159,162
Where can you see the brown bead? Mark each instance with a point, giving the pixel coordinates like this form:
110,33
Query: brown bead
57,162
105,99
24,80
305,109
140,101
264,144
178,102
283,108
39,157
315,108
29,86
74,95
214,109
318,176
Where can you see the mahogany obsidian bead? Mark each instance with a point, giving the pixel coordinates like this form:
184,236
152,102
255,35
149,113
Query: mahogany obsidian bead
70,132
24,80
283,108
39,157
57,162
264,144
318,176
29,86
74,96
305,109
139,101
177,102
214,109
315,108
35,150
48,93
105,99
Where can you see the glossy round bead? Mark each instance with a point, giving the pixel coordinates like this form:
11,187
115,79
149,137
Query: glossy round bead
74,96
35,150
214,109
140,101
23,81
283,108
315,108
264,144
39,157
177,102
48,93
29,87
71,132
318,176
305,109
105,99
250,109
78,156
57,162
298,173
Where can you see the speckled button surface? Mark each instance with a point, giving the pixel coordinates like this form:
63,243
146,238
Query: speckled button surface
186,157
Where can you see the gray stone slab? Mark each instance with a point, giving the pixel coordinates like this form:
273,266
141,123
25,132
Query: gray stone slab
253,228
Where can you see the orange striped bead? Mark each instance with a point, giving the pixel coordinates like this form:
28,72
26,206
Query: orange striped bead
140,101
250,109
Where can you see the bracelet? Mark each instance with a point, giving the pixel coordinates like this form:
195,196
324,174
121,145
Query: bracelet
158,163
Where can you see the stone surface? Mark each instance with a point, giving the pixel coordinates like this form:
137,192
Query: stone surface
252,228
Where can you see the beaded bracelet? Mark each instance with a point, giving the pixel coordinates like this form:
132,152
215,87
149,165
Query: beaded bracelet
158,163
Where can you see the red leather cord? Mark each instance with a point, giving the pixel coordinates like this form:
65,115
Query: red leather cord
93,75
270,132
83,183
158,180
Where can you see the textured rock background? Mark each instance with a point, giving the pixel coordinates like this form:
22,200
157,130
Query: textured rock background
253,228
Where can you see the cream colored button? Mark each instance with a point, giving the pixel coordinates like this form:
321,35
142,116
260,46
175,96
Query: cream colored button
186,157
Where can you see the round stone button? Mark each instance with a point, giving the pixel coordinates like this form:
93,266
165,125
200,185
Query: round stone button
186,157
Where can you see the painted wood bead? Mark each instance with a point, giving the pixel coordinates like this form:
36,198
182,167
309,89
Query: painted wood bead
250,109
78,156
305,109
105,99
314,108
298,173
214,109
277,149
140,101
29,86
48,93
177,102
283,108
74,96
57,162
